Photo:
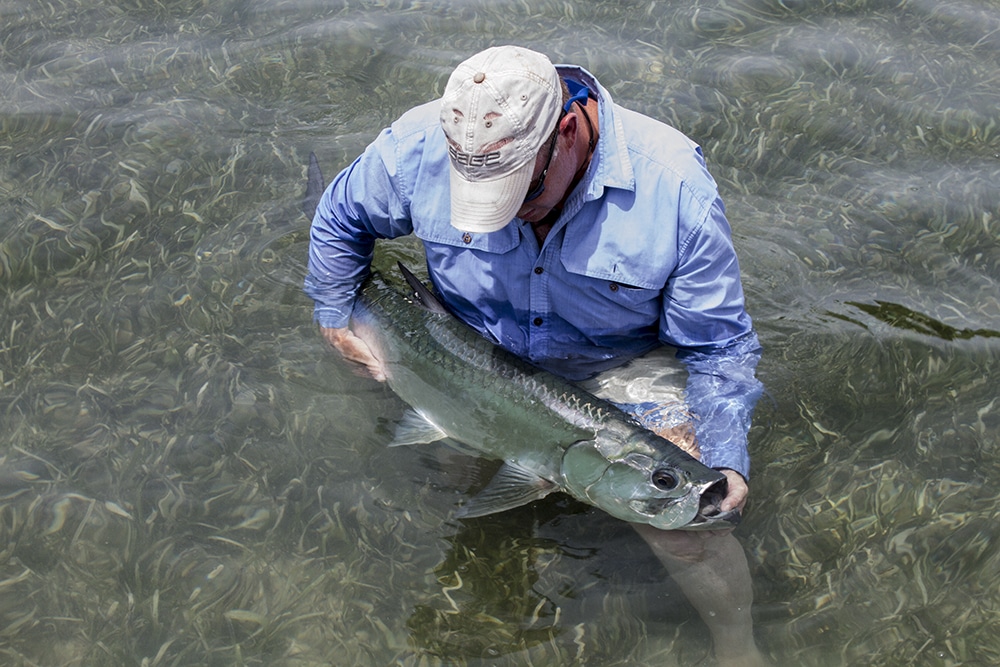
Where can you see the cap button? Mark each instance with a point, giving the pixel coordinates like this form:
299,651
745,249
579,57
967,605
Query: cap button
479,77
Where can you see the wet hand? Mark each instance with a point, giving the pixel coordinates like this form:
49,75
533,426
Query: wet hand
354,349
738,491
736,498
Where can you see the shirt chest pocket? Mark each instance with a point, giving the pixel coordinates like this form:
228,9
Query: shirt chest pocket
603,308
631,296
622,252
616,298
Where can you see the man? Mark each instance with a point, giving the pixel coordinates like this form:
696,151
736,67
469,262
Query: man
578,235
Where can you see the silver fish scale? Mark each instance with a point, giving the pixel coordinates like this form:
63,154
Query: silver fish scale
452,346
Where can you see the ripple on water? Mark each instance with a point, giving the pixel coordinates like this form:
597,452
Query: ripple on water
755,73
190,477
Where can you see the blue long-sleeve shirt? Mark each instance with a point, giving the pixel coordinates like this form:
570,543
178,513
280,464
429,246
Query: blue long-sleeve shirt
640,255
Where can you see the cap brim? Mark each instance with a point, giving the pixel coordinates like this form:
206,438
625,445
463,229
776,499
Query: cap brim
486,206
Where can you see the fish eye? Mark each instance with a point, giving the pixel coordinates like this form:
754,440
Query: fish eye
665,480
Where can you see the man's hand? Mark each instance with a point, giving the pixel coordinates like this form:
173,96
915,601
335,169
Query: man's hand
354,349
736,498
689,546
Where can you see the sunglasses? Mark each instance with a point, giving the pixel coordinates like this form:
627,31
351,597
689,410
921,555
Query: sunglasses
580,94
537,186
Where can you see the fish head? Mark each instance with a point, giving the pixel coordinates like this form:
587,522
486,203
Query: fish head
647,480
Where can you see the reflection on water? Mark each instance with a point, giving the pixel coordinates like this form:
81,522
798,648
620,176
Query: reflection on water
188,477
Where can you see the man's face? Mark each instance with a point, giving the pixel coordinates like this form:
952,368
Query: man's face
558,174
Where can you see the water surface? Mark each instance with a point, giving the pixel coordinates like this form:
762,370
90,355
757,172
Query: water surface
189,477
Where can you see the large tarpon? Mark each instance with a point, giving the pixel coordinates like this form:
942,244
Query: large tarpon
550,434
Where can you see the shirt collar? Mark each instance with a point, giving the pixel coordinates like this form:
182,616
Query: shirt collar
613,167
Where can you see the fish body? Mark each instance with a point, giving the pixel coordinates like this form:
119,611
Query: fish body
550,434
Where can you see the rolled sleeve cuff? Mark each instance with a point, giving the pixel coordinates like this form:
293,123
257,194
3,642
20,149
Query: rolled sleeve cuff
331,318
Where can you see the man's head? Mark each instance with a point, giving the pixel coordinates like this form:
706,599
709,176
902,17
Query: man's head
499,108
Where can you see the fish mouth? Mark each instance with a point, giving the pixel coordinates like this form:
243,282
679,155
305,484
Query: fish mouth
710,515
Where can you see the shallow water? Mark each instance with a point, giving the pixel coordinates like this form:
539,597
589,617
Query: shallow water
189,477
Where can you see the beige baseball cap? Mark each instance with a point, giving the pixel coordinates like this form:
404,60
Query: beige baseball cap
498,108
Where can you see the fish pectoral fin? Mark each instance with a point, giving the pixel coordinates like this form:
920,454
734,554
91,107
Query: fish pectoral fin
415,429
423,295
511,487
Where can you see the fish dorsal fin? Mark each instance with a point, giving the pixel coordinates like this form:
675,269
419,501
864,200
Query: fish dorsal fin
423,295
511,487
315,185
415,429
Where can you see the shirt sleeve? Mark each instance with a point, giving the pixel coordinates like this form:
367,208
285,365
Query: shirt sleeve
705,318
722,391
364,202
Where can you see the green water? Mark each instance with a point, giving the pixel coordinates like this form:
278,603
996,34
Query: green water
188,477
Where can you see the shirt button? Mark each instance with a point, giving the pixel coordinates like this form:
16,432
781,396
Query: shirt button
537,321
539,270
466,238
613,287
